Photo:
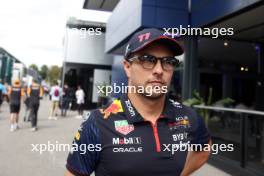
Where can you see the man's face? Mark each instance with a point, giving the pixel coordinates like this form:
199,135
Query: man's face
149,78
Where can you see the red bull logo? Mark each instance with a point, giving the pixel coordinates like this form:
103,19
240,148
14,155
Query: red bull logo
183,122
114,108
180,122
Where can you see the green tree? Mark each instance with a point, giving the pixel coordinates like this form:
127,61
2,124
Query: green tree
44,70
54,73
34,67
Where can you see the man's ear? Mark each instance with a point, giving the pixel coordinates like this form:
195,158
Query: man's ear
127,67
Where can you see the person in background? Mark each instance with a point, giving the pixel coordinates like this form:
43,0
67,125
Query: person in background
2,93
46,90
71,98
55,94
80,101
15,93
35,93
65,100
26,103
6,97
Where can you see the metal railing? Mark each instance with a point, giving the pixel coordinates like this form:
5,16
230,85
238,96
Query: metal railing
244,114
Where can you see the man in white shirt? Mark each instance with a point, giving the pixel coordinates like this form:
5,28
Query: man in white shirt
55,94
80,101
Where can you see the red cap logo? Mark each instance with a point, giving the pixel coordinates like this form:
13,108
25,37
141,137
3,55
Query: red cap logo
143,37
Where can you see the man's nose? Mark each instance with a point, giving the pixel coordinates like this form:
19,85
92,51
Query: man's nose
158,68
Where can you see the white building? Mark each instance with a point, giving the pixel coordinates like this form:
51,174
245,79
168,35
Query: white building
85,62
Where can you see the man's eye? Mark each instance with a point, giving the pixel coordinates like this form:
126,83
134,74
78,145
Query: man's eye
153,60
147,58
170,61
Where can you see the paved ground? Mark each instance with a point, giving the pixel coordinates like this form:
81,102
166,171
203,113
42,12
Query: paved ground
17,158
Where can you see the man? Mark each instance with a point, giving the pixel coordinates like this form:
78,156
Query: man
72,98
26,102
15,93
35,93
80,101
2,93
134,135
65,100
55,94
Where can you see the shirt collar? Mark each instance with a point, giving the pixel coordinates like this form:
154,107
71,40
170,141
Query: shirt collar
133,116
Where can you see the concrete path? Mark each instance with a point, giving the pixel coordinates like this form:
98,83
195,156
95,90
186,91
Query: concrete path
17,157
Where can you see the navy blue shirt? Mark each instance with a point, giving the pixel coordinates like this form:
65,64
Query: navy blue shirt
120,142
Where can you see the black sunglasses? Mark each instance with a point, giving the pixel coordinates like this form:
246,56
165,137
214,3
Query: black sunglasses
148,61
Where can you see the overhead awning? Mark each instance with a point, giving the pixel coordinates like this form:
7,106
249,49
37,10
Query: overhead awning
248,26
101,5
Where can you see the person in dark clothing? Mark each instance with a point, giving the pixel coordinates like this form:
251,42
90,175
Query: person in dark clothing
35,92
26,102
136,133
15,93
71,96
65,100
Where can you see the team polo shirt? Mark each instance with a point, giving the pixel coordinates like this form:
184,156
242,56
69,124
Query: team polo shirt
117,141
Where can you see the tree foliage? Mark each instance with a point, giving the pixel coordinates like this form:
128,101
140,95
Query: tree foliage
44,70
54,73
50,74
34,67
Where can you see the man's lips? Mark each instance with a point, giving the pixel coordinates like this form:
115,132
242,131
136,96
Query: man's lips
156,82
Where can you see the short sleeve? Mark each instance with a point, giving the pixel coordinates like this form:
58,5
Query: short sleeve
200,133
86,147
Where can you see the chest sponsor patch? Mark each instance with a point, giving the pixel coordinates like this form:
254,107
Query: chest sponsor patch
180,122
126,141
128,149
180,136
123,127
